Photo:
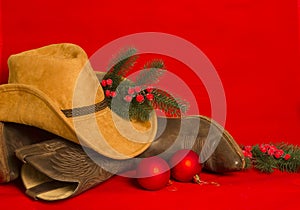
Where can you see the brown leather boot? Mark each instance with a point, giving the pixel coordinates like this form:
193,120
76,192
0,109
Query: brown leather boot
13,136
217,149
58,169
173,134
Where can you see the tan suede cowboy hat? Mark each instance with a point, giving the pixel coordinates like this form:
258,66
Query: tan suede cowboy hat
55,88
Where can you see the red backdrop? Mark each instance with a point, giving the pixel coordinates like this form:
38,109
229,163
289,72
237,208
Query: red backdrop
253,44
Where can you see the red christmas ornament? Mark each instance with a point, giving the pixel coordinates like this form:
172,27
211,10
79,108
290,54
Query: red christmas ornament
153,173
185,165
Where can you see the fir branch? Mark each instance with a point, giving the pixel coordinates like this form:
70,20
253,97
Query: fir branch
292,164
140,112
267,157
156,63
136,100
123,62
117,79
151,72
168,104
248,163
262,161
265,164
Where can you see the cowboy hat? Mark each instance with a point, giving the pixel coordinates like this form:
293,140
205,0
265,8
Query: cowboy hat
55,88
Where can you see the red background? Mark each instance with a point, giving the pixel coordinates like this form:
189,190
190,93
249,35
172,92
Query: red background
253,44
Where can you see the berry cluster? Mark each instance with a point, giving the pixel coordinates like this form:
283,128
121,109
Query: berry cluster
269,157
136,92
108,83
136,100
139,94
273,151
268,149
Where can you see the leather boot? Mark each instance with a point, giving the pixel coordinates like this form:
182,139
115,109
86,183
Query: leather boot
217,149
58,169
13,136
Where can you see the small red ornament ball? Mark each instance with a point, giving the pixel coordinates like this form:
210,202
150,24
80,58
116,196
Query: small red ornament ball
185,165
153,173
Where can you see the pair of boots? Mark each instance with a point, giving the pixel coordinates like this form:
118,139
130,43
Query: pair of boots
53,168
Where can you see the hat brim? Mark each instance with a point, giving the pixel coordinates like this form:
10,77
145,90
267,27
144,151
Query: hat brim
99,131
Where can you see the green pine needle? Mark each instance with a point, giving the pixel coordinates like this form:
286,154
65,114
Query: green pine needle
268,163
140,111
265,164
168,104
292,164
152,71
156,63
123,62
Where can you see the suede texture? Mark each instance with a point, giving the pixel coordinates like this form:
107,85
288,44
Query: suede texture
47,80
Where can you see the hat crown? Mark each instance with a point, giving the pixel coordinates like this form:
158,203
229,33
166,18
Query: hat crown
61,71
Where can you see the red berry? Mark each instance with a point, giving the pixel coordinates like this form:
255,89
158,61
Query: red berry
248,148
287,156
271,151
278,153
247,154
153,173
140,98
149,89
107,93
109,82
128,98
137,89
113,93
130,91
185,165
150,96
263,148
103,83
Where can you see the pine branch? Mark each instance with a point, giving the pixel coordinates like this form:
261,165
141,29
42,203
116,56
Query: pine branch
292,164
156,63
248,163
266,164
151,72
262,161
168,104
136,100
117,79
140,112
267,157
123,62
